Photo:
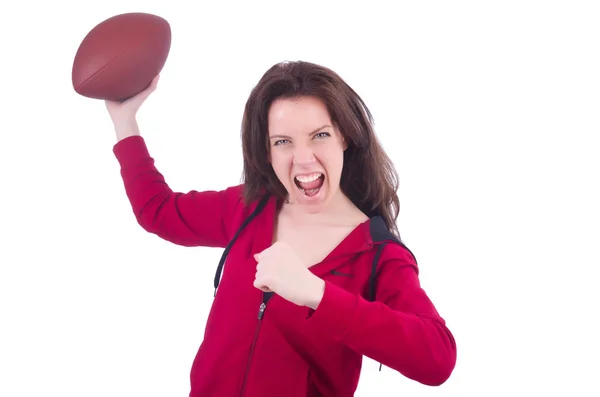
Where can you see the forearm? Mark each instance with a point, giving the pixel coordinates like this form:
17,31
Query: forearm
126,128
315,292
421,348
149,195
188,219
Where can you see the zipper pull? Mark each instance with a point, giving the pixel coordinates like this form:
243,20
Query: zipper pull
261,310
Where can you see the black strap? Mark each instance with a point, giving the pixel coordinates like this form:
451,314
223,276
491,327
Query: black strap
261,205
373,277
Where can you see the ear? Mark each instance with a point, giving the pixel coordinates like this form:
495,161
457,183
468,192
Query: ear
341,136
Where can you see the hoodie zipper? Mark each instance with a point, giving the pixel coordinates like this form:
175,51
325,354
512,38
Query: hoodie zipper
261,313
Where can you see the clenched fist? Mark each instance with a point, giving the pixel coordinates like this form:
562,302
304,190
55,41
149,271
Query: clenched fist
280,270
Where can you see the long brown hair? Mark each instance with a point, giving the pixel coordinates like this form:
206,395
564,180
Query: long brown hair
368,178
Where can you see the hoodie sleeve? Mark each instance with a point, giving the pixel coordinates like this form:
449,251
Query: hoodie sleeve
187,219
401,329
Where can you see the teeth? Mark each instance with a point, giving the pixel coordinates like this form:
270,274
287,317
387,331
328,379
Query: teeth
309,177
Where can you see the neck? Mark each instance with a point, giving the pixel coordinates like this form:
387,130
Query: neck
338,208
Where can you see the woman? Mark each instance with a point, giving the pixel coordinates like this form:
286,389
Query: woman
316,274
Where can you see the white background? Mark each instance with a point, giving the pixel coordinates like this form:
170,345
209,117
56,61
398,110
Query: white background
490,111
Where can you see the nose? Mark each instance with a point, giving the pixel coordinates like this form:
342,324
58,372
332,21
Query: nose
303,155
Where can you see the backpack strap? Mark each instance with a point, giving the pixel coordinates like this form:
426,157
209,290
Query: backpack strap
373,277
261,205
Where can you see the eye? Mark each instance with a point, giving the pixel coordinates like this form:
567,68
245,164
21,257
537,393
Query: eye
280,142
323,135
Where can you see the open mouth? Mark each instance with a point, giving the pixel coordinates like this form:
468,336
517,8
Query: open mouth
310,184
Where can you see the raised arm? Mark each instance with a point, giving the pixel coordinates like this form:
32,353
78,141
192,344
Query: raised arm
189,219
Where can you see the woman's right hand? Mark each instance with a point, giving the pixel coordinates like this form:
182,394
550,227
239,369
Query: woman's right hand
123,114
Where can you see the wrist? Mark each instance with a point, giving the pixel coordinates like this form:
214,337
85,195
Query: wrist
126,128
317,290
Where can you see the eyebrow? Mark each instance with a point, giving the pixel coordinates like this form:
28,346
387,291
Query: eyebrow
278,136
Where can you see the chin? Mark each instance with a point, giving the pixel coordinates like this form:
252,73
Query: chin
314,201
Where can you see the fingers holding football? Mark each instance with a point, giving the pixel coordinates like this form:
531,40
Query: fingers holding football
123,113
128,108
141,97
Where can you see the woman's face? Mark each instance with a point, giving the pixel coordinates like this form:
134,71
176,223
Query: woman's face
306,151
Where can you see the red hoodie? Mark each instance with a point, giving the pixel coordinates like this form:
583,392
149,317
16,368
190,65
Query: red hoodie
260,345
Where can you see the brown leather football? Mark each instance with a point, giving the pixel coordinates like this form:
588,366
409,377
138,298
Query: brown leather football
120,56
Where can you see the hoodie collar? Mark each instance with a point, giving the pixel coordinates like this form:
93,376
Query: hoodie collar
362,238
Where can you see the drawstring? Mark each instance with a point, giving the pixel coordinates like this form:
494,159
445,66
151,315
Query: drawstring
261,205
